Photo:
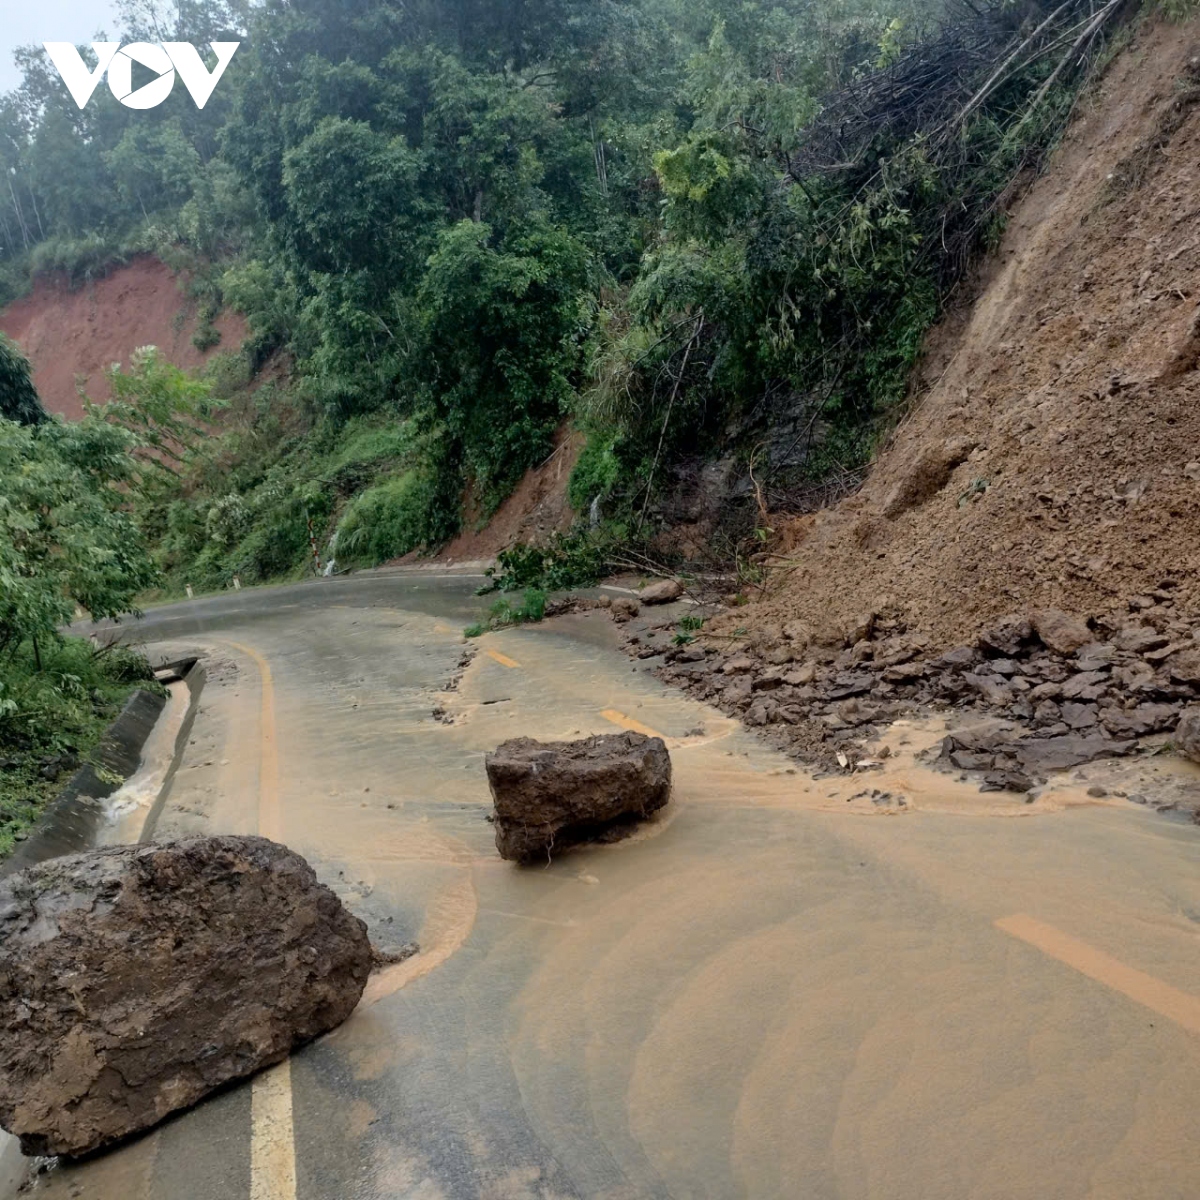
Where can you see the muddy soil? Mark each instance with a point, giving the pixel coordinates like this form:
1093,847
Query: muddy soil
1051,458
69,333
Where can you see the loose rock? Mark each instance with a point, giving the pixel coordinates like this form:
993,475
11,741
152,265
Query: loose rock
1187,734
550,795
662,592
136,980
1059,631
623,608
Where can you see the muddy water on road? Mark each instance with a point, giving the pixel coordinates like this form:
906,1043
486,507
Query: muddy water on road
781,987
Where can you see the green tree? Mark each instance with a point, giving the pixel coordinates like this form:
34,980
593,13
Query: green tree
65,537
19,400
501,343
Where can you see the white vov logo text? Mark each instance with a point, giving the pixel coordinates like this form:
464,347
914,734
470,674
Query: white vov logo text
164,59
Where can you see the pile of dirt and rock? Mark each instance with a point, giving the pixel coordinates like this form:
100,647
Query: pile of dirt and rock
1064,691
1053,458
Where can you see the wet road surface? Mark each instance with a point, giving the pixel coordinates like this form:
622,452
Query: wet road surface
779,988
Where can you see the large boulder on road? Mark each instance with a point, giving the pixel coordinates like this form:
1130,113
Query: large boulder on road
550,795
137,979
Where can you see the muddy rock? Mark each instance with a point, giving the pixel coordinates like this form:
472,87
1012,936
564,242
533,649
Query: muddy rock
1040,755
927,475
623,608
1187,734
738,665
135,980
1138,639
1007,636
662,592
1185,666
550,795
1059,631
1138,721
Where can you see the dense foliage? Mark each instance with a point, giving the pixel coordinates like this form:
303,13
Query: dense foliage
18,399
67,544
465,222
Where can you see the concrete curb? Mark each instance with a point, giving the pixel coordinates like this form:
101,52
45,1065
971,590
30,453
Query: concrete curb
194,675
71,821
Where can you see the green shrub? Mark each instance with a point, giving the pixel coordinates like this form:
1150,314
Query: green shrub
55,713
18,400
578,560
390,519
502,614
206,337
596,473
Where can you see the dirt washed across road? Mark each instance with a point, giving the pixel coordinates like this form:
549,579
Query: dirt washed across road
779,987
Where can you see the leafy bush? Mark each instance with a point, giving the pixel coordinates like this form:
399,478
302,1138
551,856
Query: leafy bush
596,472
502,614
574,561
51,717
390,519
65,539
18,400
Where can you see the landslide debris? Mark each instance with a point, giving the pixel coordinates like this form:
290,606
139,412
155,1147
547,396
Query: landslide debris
1051,457
136,980
1062,691
551,795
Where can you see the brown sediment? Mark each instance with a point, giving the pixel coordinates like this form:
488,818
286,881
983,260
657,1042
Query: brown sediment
72,332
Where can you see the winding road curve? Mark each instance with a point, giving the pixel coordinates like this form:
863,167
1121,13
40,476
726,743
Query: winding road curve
777,989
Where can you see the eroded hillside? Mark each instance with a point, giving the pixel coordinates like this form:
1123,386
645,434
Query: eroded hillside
73,333
1054,458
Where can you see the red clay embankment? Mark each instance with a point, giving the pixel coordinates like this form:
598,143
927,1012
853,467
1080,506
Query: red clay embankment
71,333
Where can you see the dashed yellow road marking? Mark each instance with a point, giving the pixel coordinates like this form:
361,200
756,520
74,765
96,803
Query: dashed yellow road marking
619,718
502,659
272,1140
272,1136
1180,1007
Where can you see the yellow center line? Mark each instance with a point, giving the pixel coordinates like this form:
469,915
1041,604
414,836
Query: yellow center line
272,1138
502,659
1180,1007
272,1135
619,718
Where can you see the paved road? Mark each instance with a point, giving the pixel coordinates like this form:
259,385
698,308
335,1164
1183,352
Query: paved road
781,988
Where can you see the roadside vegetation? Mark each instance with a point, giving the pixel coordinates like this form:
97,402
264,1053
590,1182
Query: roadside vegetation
692,230
67,544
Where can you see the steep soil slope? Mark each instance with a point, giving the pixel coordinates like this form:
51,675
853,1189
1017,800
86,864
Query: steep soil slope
536,510
71,333
1055,458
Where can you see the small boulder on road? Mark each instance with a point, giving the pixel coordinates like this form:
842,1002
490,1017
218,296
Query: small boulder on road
662,592
550,795
135,980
